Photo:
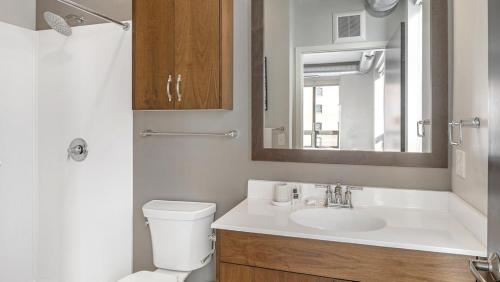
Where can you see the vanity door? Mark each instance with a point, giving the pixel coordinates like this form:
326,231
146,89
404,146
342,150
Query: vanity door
233,272
266,275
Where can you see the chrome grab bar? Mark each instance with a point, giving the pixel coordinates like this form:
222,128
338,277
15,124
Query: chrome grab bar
148,133
422,124
282,129
474,123
491,265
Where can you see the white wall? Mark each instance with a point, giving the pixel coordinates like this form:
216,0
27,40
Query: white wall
85,208
471,98
357,112
17,154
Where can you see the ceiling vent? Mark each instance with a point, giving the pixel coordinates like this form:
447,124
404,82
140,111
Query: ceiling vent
350,27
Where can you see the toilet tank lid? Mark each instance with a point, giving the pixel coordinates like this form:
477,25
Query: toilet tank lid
178,210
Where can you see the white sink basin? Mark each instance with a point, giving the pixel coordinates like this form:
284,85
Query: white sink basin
341,220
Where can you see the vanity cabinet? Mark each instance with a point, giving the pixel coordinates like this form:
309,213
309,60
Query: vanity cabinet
255,257
182,54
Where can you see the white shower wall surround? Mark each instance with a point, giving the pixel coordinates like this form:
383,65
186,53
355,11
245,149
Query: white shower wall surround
84,89
17,154
77,225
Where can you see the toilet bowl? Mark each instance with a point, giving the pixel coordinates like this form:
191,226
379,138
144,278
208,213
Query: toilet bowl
181,237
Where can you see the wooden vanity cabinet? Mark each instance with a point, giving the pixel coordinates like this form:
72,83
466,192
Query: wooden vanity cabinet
182,54
252,257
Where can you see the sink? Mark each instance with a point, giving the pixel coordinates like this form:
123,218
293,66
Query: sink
341,220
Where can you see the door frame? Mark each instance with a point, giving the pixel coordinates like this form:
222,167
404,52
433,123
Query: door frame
494,128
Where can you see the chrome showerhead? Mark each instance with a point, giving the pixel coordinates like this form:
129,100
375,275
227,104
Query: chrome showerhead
57,23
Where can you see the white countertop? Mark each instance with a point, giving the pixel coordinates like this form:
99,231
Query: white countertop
411,221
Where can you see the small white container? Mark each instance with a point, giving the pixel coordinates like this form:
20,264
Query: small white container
282,193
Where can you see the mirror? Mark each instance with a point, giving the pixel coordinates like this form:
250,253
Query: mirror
359,76
339,77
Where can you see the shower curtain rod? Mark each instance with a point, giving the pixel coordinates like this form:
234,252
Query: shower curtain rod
125,26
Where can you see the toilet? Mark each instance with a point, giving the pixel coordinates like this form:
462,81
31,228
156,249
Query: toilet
182,240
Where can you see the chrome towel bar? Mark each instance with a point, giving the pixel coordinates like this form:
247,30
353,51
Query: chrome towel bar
282,129
149,133
474,123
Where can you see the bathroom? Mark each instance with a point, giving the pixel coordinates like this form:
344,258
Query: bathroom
66,216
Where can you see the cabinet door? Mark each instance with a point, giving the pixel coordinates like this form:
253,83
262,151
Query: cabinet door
266,275
197,53
233,272
153,58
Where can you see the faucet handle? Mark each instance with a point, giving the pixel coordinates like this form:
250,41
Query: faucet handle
357,188
348,195
322,186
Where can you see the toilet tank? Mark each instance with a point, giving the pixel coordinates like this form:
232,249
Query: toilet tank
180,233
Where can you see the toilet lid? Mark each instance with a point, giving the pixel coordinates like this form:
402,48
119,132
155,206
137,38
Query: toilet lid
146,276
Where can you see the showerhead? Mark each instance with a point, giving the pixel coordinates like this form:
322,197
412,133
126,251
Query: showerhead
57,23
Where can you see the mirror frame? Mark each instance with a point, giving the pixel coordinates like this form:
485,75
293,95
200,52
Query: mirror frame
438,158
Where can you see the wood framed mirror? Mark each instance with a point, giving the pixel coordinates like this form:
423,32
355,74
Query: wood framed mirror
350,82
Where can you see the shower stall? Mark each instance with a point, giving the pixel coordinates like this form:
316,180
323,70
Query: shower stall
63,220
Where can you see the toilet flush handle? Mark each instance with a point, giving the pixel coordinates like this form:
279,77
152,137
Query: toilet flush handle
213,238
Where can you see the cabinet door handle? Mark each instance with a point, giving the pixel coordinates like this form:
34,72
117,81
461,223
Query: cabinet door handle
178,88
169,81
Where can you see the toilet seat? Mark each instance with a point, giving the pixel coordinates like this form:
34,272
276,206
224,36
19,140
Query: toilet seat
147,276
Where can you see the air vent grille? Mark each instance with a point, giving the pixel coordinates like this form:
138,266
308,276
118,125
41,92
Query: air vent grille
349,26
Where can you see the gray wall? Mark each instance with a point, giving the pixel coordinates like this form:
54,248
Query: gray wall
471,98
18,12
118,9
313,21
278,50
215,170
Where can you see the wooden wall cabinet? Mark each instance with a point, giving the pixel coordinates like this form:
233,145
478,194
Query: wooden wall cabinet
182,54
248,257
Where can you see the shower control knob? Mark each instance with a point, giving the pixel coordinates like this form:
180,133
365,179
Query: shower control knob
78,150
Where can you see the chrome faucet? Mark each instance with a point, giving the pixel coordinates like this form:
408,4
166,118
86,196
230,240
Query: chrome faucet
338,200
328,194
334,197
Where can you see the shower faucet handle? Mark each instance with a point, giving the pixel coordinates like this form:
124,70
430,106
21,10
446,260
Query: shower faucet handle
78,150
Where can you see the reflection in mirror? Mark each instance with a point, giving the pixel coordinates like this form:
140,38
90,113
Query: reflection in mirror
349,75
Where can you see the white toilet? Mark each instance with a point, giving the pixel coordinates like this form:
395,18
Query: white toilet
181,237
